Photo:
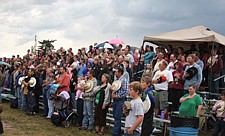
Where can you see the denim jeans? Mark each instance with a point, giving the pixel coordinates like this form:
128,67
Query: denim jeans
45,101
117,115
135,133
219,126
24,101
88,120
31,102
73,101
18,94
50,108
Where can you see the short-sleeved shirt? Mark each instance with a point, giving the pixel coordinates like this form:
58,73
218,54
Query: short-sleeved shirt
137,109
64,80
163,85
189,107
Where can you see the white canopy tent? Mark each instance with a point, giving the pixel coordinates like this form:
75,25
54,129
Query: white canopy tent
186,37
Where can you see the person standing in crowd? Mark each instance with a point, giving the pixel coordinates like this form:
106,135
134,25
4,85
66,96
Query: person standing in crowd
147,125
118,101
31,92
88,120
136,56
102,100
180,52
50,81
177,86
129,57
81,67
173,60
219,108
191,103
158,62
148,55
197,59
135,117
215,66
195,74
63,81
18,93
161,81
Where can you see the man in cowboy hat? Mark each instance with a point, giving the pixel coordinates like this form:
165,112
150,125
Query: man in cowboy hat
118,100
88,120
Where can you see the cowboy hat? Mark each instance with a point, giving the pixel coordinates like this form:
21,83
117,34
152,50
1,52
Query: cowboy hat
116,86
147,104
221,110
126,108
21,80
32,82
212,60
88,86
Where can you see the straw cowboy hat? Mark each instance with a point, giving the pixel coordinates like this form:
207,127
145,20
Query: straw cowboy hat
32,82
88,86
126,108
116,86
212,60
221,110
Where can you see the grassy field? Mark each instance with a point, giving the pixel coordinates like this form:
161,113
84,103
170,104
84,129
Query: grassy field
15,122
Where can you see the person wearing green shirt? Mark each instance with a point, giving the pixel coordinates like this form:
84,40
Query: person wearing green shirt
191,103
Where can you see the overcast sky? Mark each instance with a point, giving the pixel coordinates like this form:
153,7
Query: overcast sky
79,23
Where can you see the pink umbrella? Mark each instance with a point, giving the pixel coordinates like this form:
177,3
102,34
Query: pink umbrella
116,41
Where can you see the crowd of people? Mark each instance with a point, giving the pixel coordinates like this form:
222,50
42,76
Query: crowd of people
161,76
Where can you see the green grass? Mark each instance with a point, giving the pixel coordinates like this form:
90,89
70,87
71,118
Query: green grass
15,122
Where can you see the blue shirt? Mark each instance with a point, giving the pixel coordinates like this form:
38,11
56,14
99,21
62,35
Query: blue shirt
196,79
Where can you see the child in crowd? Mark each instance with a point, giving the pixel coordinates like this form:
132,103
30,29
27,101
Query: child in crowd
136,113
81,82
50,103
1,125
219,108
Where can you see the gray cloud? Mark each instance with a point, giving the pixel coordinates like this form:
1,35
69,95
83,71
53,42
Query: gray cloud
85,21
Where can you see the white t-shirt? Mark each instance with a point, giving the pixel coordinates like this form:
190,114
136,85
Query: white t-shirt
137,108
163,85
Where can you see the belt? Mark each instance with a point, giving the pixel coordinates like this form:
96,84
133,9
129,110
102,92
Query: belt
160,90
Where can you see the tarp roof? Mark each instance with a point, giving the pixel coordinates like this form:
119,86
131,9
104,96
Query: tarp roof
191,35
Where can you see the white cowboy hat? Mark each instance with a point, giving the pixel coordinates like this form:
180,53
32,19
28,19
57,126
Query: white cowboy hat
21,80
147,104
221,110
88,86
116,86
32,82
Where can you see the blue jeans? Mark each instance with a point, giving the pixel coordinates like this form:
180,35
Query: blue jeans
50,108
117,115
73,101
135,133
219,125
24,101
18,94
88,120
45,101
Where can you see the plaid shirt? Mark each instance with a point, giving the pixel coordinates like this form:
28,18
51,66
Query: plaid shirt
123,91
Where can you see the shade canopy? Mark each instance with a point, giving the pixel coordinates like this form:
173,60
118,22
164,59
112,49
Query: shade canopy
184,37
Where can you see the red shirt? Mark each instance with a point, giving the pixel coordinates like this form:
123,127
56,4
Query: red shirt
65,81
